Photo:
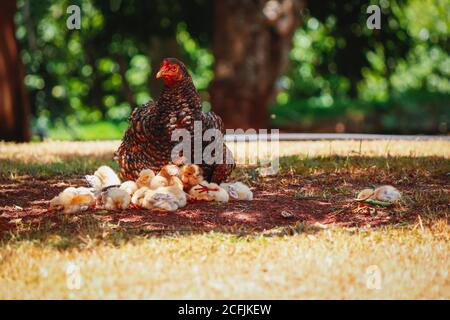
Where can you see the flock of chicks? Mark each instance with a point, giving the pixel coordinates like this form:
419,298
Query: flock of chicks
168,190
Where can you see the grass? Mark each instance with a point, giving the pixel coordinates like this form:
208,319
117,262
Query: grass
103,130
302,261
329,264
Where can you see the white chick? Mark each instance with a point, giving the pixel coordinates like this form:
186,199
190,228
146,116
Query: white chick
138,196
178,194
154,199
238,190
129,186
200,192
387,194
208,192
145,178
217,193
167,177
102,178
115,199
73,200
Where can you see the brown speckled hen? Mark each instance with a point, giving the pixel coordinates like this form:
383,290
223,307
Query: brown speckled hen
147,142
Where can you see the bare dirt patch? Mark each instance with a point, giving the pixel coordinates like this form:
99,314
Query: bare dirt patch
324,198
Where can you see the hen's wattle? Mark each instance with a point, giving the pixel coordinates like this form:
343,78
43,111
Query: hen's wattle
147,142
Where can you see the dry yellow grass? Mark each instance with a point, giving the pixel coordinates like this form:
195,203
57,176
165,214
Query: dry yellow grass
330,264
59,150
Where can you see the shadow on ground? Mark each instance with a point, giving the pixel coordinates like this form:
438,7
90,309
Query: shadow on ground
325,198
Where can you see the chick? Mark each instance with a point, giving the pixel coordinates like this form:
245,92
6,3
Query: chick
145,178
387,194
190,175
154,199
115,198
166,205
217,193
166,177
208,192
238,190
138,196
200,192
129,186
178,194
102,178
73,200
365,194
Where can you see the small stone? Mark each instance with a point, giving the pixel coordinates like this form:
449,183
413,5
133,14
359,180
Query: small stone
287,214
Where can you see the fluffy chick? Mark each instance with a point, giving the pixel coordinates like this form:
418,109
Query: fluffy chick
218,193
168,176
176,192
129,186
145,178
155,199
238,190
102,178
190,175
115,199
200,192
138,196
365,194
73,200
208,192
387,194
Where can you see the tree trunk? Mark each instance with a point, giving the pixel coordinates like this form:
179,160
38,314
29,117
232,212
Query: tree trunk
14,105
252,41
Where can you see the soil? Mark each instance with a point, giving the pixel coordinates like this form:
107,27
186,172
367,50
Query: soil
28,200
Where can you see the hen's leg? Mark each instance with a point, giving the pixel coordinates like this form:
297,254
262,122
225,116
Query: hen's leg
221,172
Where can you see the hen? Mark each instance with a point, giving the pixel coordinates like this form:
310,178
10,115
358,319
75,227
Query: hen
147,142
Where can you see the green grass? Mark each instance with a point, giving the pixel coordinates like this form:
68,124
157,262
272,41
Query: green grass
101,130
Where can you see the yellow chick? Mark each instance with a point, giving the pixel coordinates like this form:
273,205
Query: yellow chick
154,199
365,194
115,199
190,175
102,178
73,200
238,190
145,178
167,177
387,194
138,196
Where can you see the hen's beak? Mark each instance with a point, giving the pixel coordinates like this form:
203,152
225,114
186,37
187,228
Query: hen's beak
160,74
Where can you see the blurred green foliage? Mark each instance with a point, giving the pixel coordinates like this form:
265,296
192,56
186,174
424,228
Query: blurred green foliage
343,76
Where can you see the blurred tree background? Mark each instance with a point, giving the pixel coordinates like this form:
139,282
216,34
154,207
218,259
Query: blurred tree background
330,72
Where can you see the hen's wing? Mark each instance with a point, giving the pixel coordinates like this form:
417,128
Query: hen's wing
217,172
134,154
